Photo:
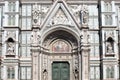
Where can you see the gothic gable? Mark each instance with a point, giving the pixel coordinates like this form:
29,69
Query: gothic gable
60,14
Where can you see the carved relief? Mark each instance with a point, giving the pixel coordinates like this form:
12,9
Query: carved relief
36,14
39,12
35,37
10,47
109,34
76,67
44,10
60,18
76,11
85,37
81,13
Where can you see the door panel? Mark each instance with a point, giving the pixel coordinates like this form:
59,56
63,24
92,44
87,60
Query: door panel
56,71
60,71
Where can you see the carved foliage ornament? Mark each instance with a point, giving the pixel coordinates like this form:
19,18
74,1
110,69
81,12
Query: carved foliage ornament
36,14
35,37
85,37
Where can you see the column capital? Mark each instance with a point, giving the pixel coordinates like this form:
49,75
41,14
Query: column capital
35,49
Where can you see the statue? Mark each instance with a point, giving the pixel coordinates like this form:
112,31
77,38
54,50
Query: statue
76,73
84,14
10,48
45,74
109,47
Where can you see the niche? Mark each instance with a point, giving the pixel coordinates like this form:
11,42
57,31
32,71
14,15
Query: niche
110,46
10,48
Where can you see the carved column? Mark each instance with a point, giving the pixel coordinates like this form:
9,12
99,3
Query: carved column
35,62
85,50
35,44
35,51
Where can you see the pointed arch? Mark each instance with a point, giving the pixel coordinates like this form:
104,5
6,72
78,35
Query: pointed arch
60,27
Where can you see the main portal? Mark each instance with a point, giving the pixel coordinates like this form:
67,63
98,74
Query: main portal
60,71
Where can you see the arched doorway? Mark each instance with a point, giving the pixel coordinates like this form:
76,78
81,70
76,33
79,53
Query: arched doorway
60,56
60,38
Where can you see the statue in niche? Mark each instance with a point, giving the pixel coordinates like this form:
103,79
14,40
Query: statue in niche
35,37
109,47
10,48
110,44
84,14
45,74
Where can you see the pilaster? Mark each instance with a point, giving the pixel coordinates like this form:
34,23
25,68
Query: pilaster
35,62
35,53
85,50
35,44
84,43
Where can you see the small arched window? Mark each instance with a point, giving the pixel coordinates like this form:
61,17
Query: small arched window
108,6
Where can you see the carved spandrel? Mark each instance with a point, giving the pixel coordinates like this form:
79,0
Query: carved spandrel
109,34
76,11
81,14
11,34
39,12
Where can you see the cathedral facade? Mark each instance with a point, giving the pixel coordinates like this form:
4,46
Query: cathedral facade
59,39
